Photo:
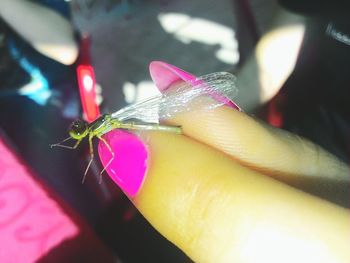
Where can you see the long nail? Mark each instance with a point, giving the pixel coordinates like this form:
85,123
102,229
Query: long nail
164,74
129,165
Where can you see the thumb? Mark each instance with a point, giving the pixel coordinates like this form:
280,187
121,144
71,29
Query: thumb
215,209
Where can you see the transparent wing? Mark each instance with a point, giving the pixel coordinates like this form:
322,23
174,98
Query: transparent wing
183,98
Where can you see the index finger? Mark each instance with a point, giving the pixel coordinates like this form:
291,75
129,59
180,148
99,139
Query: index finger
272,151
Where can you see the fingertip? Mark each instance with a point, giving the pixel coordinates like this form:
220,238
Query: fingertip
164,74
124,157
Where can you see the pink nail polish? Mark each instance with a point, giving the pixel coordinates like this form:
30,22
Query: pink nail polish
164,74
128,168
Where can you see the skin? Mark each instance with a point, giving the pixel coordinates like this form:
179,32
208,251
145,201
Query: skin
222,192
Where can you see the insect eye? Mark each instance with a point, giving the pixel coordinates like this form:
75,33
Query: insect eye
78,129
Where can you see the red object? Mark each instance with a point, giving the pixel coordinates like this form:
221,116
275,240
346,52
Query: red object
87,81
274,115
87,89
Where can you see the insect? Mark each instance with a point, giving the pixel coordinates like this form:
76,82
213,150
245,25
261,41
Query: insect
147,114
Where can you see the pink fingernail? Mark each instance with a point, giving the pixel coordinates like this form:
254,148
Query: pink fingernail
129,165
164,74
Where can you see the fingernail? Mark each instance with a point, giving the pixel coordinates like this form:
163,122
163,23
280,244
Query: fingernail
164,74
129,165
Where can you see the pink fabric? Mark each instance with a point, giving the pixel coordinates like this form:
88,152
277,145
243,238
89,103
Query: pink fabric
31,222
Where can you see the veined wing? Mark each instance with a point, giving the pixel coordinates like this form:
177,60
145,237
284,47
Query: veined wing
183,98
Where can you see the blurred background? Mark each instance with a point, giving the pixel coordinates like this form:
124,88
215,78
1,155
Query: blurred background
46,213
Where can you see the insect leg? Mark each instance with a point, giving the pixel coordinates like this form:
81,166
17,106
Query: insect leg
110,160
76,144
91,149
59,144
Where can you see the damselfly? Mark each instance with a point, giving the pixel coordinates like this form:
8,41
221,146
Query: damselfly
147,114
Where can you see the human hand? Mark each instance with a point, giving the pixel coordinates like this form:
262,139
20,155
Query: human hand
217,192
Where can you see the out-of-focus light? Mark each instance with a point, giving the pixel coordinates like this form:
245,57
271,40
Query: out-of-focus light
227,56
137,92
99,98
37,89
88,83
187,29
277,64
